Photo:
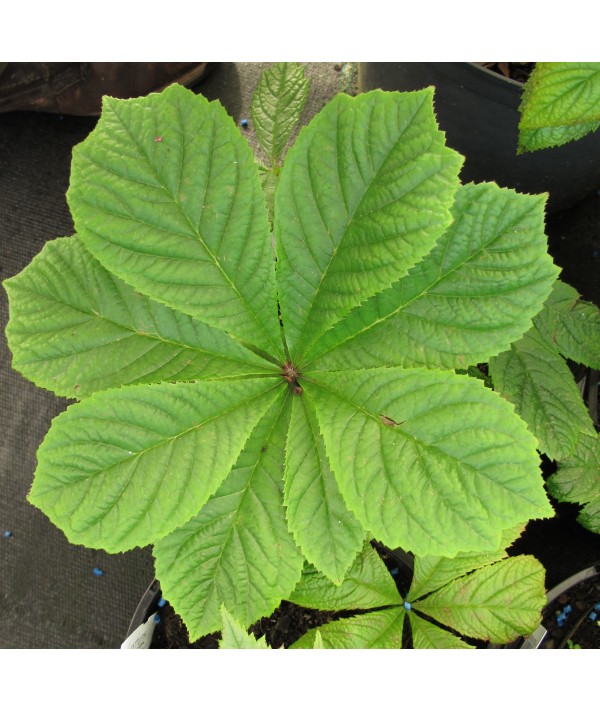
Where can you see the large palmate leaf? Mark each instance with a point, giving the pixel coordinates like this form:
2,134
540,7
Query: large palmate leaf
497,602
125,467
277,105
373,630
366,585
571,324
237,549
165,193
328,534
253,417
561,103
75,328
429,461
474,294
363,195
578,481
537,380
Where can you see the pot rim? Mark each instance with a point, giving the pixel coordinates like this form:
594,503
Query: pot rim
536,638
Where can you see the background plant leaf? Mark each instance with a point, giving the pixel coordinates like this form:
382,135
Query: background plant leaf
536,379
75,328
125,467
571,324
364,194
367,584
324,529
560,103
428,461
165,193
374,630
498,602
468,299
237,549
277,105
578,481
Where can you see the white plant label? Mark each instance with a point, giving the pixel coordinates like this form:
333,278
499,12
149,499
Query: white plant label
141,637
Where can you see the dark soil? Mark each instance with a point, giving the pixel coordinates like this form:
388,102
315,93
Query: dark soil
284,627
519,71
577,629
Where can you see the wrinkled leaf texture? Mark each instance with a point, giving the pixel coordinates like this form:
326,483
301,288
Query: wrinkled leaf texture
172,337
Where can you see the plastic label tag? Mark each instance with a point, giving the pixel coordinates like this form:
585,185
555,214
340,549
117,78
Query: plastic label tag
141,638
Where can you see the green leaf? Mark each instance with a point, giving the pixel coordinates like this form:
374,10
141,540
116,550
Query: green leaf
425,635
433,572
234,636
374,630
364,194
367,584
268,181
571,324
165,193
74,329
318,642
536,379
277,105
237,549
125,467
469,298
498,602
327,533
560,103
428,461
578,481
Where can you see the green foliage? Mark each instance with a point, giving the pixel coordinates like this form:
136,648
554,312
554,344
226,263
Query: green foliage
578,481
277,105
234,636
488,597
244,414
533,374
560,103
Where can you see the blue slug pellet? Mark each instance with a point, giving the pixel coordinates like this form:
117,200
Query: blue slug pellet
162,602
407,606
97,572
593,616
597,606
567,609
156,618
244,123
7,534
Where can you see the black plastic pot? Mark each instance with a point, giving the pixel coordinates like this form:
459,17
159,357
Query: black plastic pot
478,110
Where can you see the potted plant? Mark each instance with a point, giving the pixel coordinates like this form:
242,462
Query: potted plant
425,603
479,111
274,363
